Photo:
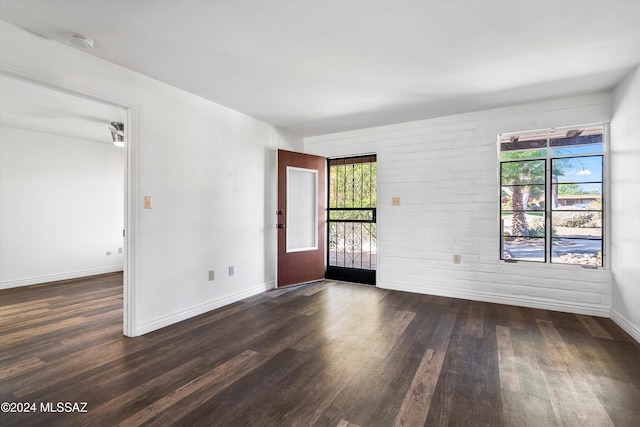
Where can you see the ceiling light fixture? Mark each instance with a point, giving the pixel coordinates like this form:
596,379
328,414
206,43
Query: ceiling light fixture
117,133
81,41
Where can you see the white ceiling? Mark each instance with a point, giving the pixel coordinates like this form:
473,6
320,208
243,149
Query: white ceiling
319,66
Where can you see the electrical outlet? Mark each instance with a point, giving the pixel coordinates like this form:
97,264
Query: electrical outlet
456,259
148,202
395,201
119,250
231,270
212,275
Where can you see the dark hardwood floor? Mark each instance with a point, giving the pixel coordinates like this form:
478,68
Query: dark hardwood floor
324,354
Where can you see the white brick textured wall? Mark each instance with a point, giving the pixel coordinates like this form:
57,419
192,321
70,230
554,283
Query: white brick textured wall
445,172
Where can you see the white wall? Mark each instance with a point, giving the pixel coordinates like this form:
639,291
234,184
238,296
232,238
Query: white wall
625,204
445,172
61,207
210,171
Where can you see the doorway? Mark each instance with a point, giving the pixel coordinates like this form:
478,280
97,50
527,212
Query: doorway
68,134
351,224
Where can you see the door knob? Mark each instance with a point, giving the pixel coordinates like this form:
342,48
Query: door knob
280,226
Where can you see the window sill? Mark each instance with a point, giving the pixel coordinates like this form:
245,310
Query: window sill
546,265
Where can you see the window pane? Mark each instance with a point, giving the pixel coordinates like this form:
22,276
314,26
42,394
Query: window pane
302,209
576,251
525,141
352,182
577,169
523,249
351,215
523,198
587,225
523,224
585,140
572,196
529,154
577,150
522,173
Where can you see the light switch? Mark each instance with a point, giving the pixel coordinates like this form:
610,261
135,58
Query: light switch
395,201
148,202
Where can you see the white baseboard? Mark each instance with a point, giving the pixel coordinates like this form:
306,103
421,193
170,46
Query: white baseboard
626,324
200,309
599,310
57,277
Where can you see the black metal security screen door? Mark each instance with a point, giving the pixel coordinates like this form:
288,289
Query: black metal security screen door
352,250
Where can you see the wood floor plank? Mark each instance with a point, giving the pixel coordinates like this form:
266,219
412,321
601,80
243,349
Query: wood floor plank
531,405
115,378
47,316
511,316
109,411
613,385
12,369
474,326
332,371
110,333
359,389
235,406
429,329
512,410
594,327
572,397
417,402
12,309
381,336
216,380
82,361
345,423
508,371
390,331
318,287
468,392
620,399
29,333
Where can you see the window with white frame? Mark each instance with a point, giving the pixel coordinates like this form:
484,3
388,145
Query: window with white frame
552,196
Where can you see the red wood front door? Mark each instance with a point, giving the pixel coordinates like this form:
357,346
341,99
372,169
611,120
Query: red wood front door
301,218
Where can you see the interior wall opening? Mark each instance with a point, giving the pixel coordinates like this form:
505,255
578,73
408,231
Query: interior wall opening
63,184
